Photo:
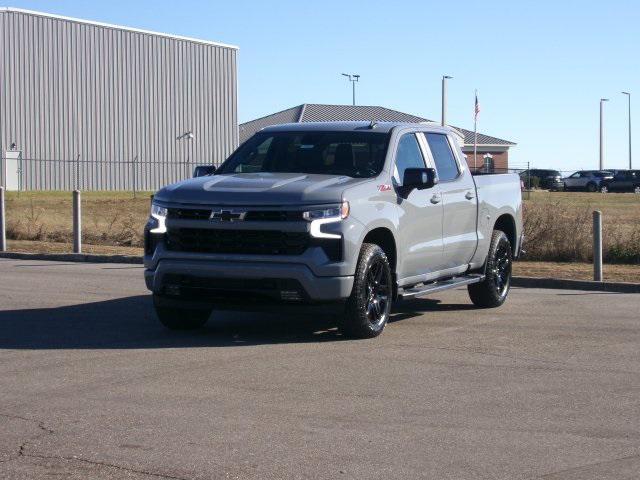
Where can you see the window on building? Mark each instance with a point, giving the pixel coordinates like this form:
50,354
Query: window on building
488,165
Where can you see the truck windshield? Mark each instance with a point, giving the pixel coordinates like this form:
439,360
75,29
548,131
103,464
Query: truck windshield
353,154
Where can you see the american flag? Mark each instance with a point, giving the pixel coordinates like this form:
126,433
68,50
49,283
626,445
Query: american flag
477,108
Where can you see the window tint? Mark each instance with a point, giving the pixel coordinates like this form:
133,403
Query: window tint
408,155
446,164
354,154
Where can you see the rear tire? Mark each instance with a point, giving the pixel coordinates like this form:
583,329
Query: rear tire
176,318
368,308
591,187
494,289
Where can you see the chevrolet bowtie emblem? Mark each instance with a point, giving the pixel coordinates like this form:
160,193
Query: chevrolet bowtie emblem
227,215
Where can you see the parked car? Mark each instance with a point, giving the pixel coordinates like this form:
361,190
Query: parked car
589,180
549,179
622,181
353,215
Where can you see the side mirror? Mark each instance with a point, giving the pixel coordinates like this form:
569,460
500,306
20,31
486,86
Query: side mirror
203,170
418,179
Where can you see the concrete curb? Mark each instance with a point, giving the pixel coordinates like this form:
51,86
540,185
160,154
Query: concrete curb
73,257
523,282
559,283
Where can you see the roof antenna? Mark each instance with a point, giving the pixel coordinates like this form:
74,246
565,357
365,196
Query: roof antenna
373,124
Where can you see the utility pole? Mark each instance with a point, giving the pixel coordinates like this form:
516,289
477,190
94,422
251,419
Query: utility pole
444,98
629,98
602,100
353,78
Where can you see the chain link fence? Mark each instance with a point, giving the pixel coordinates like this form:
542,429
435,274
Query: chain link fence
80,174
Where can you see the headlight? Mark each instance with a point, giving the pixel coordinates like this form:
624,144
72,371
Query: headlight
158,218
322,216
339,212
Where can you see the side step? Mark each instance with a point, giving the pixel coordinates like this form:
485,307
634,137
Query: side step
437,286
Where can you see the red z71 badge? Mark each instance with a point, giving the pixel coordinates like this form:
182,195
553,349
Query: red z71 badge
384,188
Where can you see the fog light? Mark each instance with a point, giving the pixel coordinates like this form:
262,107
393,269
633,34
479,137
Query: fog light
173,290
290,295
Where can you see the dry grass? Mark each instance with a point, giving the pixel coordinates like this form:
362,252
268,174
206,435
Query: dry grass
108,218
30,246
576,271
558,226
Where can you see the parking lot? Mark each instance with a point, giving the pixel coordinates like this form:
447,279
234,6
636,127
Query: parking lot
93,387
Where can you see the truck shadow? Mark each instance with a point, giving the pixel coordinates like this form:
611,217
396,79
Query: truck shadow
130,322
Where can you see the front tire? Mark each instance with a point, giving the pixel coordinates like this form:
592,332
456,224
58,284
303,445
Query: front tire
493,290
177,318
368,308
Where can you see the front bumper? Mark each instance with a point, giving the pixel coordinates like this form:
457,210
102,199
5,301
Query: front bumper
220,282
555,185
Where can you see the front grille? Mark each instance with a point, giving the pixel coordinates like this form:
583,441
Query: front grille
273,216
251,215
249,242
189,213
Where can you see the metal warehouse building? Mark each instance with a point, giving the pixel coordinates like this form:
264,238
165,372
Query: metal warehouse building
101,107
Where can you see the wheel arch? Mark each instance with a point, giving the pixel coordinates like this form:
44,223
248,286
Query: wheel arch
507,224
384,238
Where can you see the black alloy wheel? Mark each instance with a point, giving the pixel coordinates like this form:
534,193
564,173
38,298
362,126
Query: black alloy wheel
494,289
378,294
369,305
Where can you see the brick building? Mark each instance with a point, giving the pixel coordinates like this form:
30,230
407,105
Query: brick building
493,152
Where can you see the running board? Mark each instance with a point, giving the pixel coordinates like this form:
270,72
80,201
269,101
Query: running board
438,286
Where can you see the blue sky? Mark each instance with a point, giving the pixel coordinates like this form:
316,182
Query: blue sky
540,67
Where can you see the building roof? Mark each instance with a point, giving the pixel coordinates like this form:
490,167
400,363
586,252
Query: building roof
350,125
315,112
115,27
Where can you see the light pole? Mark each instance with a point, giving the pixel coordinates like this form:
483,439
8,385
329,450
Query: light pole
353,78
629,98
602,100
444,99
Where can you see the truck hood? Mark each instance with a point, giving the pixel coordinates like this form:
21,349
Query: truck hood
259,189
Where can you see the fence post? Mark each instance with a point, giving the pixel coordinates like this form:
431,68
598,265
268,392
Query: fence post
597,245
133,176
3,230
77,222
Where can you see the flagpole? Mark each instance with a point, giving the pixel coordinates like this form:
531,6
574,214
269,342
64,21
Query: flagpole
475,135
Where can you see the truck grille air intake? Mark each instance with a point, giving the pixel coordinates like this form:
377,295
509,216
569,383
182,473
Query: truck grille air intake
250,242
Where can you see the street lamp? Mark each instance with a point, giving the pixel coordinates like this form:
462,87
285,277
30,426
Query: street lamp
629,98
444,98
602,100
353,78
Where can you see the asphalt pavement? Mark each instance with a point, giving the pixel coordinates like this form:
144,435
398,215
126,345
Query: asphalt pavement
92,386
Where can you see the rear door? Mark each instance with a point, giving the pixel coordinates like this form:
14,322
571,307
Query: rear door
420,215
573,181
621,181
459,227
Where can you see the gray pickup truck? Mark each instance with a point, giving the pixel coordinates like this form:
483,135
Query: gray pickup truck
351,215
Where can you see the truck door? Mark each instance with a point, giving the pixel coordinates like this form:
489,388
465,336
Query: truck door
420,216
458,190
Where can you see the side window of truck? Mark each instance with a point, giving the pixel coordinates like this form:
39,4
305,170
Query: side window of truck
446,164
408,155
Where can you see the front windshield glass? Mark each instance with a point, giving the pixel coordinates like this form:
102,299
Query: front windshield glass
354,154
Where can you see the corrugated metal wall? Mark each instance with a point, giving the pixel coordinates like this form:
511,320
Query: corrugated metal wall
101,108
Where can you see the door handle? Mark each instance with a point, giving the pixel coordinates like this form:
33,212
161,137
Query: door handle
435,198
469,195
